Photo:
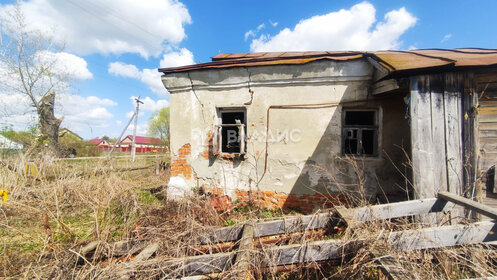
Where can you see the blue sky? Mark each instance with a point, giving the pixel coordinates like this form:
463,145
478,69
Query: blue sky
115,47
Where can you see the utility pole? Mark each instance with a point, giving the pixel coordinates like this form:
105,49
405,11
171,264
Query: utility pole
122,133
133,145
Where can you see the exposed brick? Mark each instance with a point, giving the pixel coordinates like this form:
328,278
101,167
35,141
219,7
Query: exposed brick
180,166
270,199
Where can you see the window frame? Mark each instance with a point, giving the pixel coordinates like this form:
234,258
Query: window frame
360,128
218,141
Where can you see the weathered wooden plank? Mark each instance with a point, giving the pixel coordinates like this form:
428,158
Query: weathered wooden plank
446,236
488,133
311,252
421,137
470,204
384,86
198,265
488,126
395,210
428,139
243,255
485,163
324,250
453,133
268,228
146,253
438,139
488,117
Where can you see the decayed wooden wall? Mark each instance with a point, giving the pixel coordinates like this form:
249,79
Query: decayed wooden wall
486,87
442,134
487,114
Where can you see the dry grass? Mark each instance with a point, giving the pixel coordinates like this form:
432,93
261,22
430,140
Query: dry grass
50,216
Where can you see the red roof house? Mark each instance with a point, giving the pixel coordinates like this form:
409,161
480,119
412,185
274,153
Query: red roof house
100,143
143,144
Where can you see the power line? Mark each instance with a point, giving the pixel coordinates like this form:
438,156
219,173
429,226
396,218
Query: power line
121,18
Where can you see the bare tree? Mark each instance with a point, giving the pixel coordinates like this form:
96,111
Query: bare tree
28,64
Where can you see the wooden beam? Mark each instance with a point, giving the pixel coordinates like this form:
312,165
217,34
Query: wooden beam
268,228
469,204
394,210
446,236
241,268
384,86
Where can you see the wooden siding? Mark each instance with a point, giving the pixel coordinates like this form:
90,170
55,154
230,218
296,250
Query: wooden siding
487,116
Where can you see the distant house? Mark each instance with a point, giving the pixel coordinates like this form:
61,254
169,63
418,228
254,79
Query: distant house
65,133
100,143
6,144
143,144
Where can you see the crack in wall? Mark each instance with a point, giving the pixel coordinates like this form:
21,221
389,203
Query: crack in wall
198,99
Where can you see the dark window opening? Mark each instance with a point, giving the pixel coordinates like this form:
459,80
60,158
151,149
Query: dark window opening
360,132
232,132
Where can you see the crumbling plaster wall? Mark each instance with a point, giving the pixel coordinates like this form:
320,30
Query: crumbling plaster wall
304,149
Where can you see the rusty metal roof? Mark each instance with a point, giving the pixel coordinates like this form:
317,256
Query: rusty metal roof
392,61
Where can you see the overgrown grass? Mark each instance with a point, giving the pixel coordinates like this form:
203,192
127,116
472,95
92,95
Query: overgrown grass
64,204
49,216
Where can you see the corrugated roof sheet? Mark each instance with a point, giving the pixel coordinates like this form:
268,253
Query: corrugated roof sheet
393,61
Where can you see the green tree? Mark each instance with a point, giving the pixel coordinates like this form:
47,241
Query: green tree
158,124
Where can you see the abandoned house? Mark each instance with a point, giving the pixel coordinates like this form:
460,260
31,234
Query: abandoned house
303,129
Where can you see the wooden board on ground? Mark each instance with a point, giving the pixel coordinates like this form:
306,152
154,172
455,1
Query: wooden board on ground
469,204
268,228
395,210
324,250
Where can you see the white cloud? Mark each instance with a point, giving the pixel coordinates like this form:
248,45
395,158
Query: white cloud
107,26
274,24
125,70
446,38
81,113
141,129
253,33
249,33
177,58
129,114
66,64
16,111
150,104
352,29
152,77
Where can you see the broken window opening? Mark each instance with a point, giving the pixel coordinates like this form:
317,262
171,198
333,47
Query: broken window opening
360,132
231,132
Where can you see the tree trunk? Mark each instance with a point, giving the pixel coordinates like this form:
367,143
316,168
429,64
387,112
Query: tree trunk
48,124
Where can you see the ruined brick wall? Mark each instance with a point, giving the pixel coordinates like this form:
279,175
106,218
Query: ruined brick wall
305,203
180,165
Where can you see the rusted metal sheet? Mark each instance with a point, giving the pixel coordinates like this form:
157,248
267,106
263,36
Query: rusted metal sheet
282,55
260,61
392,61
401,60
464,57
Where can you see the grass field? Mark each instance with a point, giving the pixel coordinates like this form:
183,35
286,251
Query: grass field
63,204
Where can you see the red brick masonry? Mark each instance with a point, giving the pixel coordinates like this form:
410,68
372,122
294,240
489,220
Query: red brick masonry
179,166
307,203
